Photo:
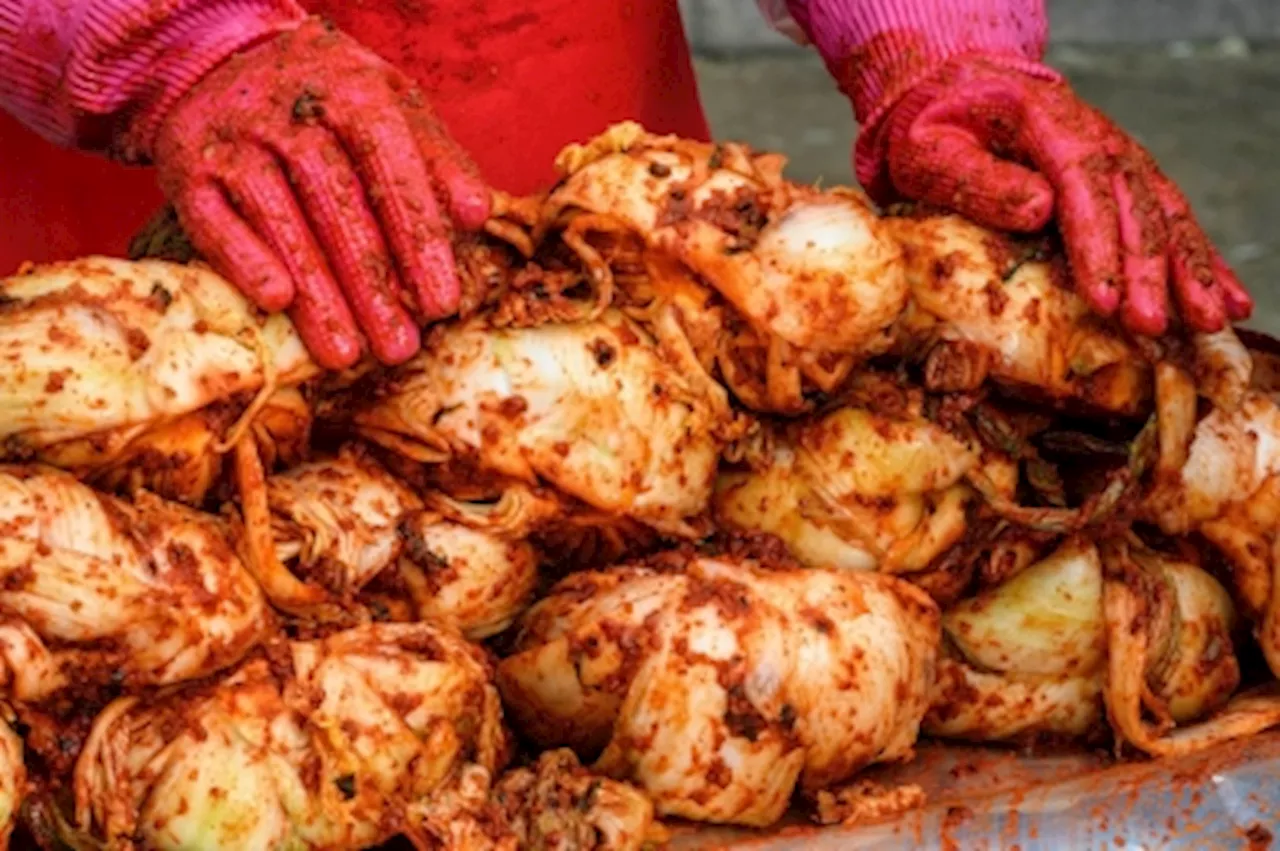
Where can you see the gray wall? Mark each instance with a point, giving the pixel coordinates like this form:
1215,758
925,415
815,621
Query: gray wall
731,26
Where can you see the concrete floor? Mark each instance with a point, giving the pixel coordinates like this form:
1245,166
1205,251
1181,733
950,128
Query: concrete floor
1211,117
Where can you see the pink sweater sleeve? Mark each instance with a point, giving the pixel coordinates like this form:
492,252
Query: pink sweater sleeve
878,47
839,27
101,74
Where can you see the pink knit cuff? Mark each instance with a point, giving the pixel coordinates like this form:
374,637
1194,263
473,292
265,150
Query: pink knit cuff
879,49
102,74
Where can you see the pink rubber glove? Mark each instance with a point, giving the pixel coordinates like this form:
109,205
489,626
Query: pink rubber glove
956,110
287,163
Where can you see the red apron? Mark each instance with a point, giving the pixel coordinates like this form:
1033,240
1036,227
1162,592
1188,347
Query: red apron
514,82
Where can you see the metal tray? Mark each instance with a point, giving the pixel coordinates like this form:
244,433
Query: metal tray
1000,799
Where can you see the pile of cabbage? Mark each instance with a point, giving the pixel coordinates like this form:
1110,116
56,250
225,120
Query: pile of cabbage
719,490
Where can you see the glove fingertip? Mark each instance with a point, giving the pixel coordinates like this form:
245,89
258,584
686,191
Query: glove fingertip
395,344
1103,297
1146,319
326,326
1239,306
468,198
1201,300
1036,212
1207,316
270,293
1238,302
470,206
330,348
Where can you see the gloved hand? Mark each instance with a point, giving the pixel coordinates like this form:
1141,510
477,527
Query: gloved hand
957,111
317,177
